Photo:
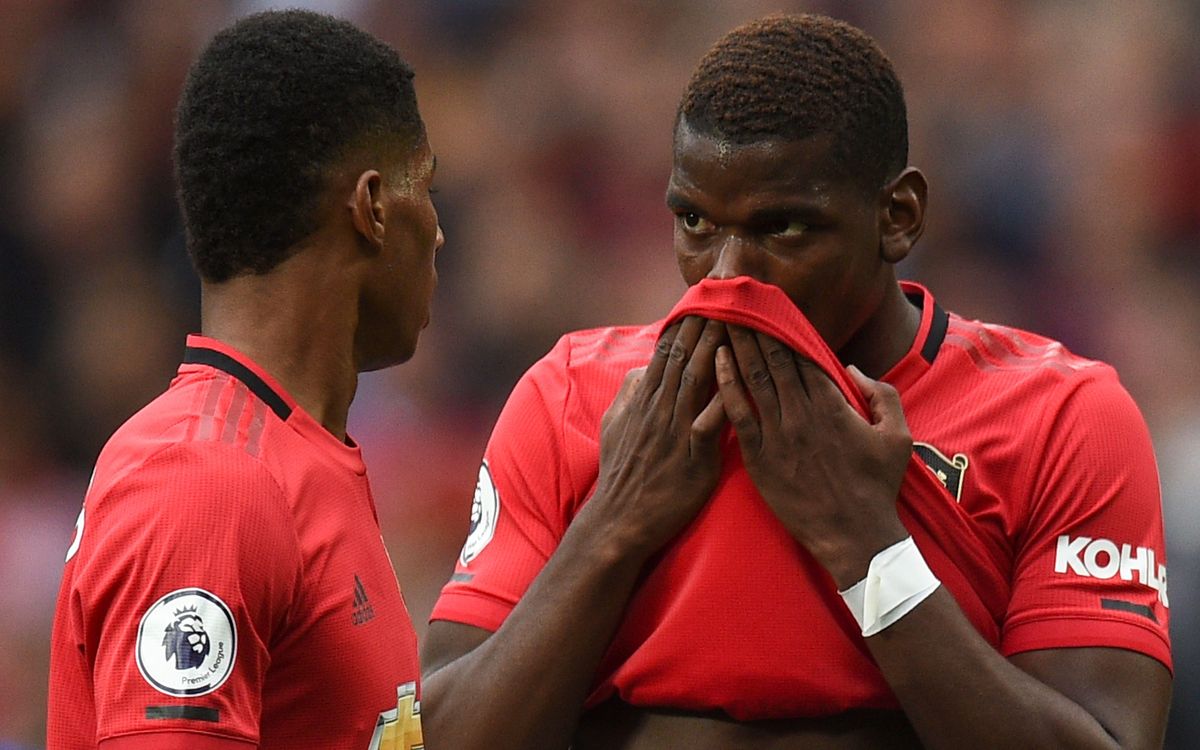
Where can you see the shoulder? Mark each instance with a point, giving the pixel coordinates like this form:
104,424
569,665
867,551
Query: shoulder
560,399
584,352
1026,402
186,492
197,445
1080,434
585,368
587,359
1008,363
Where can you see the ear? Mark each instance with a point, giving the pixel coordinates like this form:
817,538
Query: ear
366,208
902,214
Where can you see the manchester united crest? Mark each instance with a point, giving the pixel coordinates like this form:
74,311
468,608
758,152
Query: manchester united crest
948,470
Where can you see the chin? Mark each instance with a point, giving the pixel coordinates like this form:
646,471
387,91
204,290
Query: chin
380,360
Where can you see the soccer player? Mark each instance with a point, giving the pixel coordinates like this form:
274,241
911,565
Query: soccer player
928,531
227,585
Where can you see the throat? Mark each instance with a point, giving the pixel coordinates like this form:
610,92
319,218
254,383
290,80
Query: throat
885,338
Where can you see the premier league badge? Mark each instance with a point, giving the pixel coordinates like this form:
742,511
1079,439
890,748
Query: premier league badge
187,643
485,512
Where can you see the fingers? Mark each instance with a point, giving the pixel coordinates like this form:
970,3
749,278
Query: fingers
824,396
785,373
678,356
754,371
706,428
696,381
736,403
662,349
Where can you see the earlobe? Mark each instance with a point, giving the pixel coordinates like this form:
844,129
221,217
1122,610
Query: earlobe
366,208
902,215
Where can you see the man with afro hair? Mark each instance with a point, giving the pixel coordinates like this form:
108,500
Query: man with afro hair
227,585
810,508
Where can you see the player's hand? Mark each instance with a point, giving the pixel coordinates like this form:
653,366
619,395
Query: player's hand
659,448
830,476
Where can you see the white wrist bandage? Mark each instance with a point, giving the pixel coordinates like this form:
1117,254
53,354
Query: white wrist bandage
898,579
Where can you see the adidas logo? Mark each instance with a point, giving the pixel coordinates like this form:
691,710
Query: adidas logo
363,611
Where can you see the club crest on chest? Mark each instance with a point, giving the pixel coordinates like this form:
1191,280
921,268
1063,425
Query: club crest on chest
949,471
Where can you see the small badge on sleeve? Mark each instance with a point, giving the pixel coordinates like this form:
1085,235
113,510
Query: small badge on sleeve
187,643
485,511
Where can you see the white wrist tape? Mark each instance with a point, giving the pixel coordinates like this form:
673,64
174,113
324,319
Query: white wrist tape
898,579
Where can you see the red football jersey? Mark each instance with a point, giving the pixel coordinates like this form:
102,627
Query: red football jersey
228,584
1035,500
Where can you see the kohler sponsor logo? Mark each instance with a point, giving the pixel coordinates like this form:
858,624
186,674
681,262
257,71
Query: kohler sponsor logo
1105,559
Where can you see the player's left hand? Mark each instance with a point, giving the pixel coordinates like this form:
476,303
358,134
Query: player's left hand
831,477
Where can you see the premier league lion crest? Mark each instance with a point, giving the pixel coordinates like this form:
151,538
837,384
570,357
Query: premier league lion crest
185,640
187,643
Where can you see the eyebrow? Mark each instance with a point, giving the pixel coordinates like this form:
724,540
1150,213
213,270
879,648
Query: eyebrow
792,209
806,212
677,202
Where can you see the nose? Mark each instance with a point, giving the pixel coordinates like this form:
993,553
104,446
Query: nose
441,239
735,256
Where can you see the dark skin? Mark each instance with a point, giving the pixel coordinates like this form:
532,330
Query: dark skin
777,212
354,296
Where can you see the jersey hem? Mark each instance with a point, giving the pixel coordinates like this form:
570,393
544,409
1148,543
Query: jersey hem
475,609
165,739
1049,632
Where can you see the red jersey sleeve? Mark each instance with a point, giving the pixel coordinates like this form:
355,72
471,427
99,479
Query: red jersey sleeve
185,573
519,512
1090,567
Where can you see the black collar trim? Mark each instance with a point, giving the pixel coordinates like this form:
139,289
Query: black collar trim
195,355
937,333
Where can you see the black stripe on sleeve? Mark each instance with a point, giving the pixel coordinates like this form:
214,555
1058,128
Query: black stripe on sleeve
1124,606
198,713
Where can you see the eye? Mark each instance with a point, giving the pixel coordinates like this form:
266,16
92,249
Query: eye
785,227
694,223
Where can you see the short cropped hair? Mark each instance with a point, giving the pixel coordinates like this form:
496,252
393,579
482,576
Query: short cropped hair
269,106
792,77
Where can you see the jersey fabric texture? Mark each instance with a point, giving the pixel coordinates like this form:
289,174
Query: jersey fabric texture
1033,494
228,585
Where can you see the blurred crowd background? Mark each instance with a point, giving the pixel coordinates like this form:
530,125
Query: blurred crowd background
1061,139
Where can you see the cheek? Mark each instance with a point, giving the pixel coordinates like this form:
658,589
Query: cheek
693,266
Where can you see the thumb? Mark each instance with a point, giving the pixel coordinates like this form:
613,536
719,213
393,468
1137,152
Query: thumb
883,400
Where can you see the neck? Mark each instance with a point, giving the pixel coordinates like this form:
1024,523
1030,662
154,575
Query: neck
288,323
885,337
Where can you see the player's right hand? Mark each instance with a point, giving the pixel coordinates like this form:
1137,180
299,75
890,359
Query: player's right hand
659,440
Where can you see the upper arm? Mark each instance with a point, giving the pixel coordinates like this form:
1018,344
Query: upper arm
446,641
517,517
1089,610
1126,692
186,568
1090,564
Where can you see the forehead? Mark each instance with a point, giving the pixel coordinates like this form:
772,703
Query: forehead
412,165
419,159
780,168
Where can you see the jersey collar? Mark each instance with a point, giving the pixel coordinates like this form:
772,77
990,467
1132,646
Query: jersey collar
928,341
202,350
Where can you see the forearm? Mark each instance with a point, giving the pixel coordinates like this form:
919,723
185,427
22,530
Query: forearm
960,692
524,687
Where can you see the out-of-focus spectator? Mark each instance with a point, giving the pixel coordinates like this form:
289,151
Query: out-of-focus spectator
1062,142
